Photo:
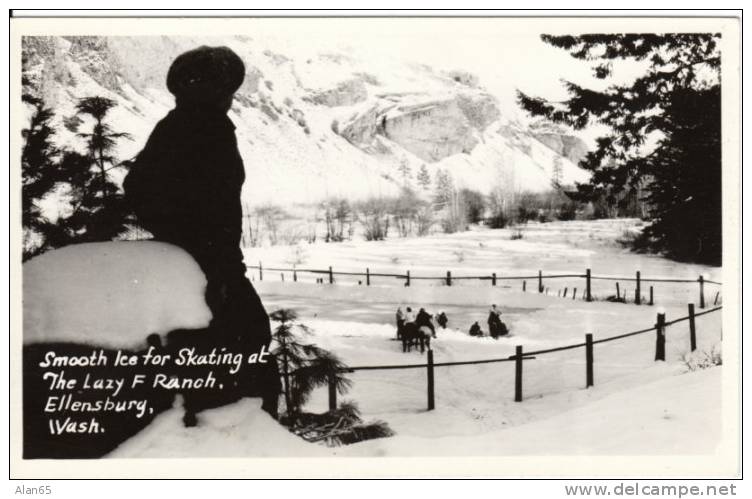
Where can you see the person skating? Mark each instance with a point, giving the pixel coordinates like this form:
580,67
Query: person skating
409,316
400,318
493,321
442,319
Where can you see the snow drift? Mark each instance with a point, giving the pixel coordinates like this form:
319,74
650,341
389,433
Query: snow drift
112,294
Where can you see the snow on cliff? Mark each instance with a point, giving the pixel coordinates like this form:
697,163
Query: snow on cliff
313,124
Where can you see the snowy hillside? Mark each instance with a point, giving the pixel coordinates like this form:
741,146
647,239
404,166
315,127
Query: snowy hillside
311,123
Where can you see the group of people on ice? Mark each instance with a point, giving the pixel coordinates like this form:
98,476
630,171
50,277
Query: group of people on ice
415,328
496,327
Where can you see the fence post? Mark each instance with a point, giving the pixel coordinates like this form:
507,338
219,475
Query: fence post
493,279
261,272
637,298
651,295
407,283
332,393
565,292
368,276
574,294
618,292
282,276
589,360
518,374
429,368
588,296
702,291
715,301
524,286
294,274
692,334
540,281
449,278
660,336
331,275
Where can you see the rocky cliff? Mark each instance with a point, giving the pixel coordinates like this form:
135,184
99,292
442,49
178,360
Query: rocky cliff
309,124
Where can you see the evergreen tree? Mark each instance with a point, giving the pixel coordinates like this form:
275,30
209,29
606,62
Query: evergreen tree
404,169
99,212
443,188
556,173
447,198
39,176
654,138
423,178
304,366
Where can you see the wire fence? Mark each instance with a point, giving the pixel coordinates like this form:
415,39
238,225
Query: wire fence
538,279
520,356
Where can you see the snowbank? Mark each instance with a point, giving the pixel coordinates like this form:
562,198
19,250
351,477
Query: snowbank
112,294
675,415
241,429
678,414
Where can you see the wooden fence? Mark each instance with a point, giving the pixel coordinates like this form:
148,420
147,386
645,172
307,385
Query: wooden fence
520,356
329,276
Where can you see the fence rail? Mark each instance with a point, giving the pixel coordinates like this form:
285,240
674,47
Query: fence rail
494,277
520,355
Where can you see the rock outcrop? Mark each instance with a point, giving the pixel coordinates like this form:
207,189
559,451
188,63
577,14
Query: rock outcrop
346,93
338,123
431,129
569,146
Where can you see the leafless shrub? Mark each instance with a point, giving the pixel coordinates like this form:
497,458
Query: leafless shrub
272,216
703,359
338,216
298,255
373,214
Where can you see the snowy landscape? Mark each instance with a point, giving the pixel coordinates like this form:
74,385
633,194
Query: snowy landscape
318,126
637,405
310,120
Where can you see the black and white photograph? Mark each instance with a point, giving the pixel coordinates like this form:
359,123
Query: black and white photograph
509,243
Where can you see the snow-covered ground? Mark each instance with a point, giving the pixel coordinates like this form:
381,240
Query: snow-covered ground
675,414
554,248
636,406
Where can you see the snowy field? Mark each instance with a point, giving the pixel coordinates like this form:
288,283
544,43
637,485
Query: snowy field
637,405
554,248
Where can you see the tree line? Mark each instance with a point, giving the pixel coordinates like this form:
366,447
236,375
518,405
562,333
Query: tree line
663,139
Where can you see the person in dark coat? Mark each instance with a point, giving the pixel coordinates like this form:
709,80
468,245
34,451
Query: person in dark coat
424,319
494,322
475,330
185,186
442,320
